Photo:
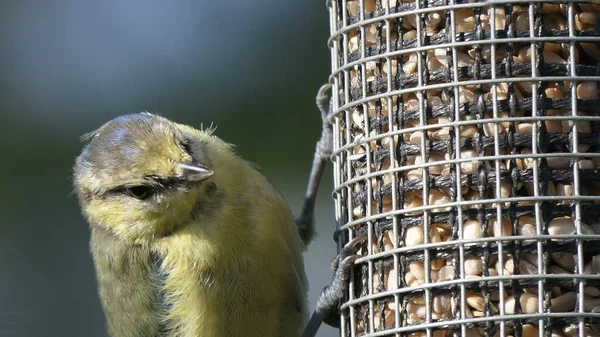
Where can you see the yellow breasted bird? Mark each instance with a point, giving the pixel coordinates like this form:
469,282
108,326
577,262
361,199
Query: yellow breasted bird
188,239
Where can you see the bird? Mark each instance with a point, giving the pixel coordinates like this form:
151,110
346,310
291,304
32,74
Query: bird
188,239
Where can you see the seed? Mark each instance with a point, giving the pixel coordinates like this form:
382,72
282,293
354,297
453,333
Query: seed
389,318
565,260
414,203
550,8
369,5
416,309
521,20
524,267
489,129
353,45
527,229
592,292
565,302
388,238
587,90
472,230
466,95
500,18
523,55
417,334
437,197
473,266
416,137
357,212
472,332
410,65
530,257
467,131
528,304
386,179
417,269
391,66
475,301
414,236
529,331
586,164
589,49
585,21
410,21
442,333
416,174
463,59
502,229
409,278
432,62
554,58
437,264
583,126
446,273
571,330
465,20
564,190
561,226
409,35
436,169
526,225
524,128
471,195
590,303
441,303
524,163
432,20
554,90
552,21
441,134
558,162
468,167
553,126
596,264
357,117
565,50
434,236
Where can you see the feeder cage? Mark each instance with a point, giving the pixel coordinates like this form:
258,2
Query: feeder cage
467,152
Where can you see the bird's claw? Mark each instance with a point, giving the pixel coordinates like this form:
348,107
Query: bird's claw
323,100
332,294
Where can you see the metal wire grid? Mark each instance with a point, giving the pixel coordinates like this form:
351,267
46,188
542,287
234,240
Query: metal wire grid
463,132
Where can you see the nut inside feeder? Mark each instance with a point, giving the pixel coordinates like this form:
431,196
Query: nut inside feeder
467,152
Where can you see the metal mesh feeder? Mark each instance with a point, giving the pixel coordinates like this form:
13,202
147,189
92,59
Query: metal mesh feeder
467,151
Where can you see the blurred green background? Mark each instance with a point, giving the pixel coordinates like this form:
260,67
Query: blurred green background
67,66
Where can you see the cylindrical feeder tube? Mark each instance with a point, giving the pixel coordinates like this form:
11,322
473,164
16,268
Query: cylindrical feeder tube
467,152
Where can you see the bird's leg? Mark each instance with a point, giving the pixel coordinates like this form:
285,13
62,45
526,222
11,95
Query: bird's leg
327,306
305,222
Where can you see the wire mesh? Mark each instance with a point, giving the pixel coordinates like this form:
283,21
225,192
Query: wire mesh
467,151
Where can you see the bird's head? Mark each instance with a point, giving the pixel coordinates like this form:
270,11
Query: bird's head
142,176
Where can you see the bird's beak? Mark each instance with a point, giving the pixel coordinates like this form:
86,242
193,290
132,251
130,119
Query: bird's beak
194,172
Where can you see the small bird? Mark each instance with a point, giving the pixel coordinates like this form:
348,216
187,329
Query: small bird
190,240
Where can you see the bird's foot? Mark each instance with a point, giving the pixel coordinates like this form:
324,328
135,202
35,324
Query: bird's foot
331,295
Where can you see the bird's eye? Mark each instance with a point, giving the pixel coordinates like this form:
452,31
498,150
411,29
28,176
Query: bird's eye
140,192
186,144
